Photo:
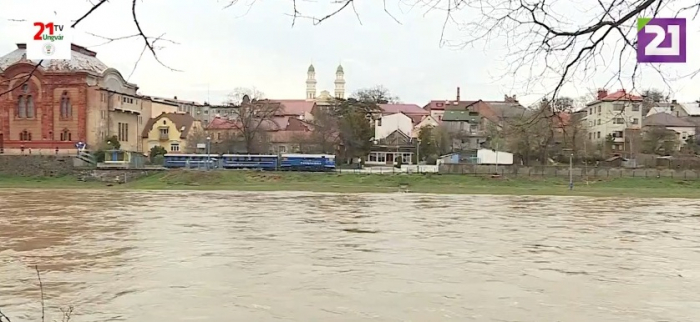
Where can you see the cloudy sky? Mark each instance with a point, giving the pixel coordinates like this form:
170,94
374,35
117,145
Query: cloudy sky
256,46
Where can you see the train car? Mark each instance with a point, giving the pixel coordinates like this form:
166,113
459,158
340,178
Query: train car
307,162
179,160
249,161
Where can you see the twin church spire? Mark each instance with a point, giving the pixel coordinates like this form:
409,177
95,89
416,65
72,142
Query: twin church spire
311,83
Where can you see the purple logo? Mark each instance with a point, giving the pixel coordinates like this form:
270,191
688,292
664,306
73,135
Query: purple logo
661,40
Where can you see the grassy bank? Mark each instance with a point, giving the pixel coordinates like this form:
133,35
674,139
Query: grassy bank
428,183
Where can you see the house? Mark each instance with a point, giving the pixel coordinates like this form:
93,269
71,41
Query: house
492,112
428,120
280,134
464,128
176,132
691,109
671,108
300,109
65,102
683,129
392,148
611,114
387,124
200,111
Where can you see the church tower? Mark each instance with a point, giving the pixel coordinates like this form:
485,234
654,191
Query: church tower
339,82
311,83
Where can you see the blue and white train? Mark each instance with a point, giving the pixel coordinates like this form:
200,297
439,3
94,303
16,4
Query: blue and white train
269,162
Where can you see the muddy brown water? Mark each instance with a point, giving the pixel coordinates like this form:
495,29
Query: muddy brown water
238,256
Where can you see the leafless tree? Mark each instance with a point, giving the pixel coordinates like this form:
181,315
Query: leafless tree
150,44
324,136
254,118
196,136
377,94
540,40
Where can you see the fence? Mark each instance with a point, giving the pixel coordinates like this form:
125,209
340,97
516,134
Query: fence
560,171
392,170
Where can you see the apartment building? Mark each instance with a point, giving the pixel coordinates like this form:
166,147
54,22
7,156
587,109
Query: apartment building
611,114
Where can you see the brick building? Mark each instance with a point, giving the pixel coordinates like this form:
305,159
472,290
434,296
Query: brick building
65,102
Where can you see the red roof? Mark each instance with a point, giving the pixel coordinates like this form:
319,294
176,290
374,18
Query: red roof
408,109
621,95
295,107
440,105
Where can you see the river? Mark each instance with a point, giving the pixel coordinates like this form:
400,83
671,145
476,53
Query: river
240,256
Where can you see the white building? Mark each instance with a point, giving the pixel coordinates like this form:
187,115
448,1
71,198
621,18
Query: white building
387,124
611,115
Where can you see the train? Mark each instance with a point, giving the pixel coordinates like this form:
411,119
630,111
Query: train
266,162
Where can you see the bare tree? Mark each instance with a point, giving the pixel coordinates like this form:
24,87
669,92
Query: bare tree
377,94
254,118
541,41
196,136
150,44
324,136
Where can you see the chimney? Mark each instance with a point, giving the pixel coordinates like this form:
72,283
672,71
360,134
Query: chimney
515,98
602,93
175,97
458,94
674,102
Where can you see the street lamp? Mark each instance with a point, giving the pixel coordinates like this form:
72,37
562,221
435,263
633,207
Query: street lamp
208,155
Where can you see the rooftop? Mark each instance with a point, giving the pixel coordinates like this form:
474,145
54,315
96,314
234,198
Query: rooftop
83,60
666,119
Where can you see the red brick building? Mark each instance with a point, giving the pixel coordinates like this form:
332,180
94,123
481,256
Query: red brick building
49,111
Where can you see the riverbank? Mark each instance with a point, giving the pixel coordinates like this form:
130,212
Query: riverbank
350,183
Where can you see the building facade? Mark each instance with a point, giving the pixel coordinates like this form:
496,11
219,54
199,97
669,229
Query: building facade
610,115
49,108
175,132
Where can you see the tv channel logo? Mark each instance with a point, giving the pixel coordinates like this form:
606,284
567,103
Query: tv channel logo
48,38
661,40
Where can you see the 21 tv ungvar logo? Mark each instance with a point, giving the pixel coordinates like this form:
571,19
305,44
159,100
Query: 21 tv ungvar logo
51,28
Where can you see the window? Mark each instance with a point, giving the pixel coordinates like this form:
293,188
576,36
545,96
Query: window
174,147
619,120
590,136
25,136
617,134
618,107
127,100
164,131
66,135
635,107
218,136
598,134
30,107
22,107
598,121
123,132
379,122
635,121
140,120
103,114
66,109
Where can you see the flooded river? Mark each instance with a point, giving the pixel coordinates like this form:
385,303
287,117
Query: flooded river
233,256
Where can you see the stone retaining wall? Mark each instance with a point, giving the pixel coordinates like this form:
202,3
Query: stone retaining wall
578,172
36,165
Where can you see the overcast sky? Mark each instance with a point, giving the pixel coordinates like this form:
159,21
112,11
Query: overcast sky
221,49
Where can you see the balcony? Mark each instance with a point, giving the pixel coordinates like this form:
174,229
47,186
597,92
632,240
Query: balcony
164,137
619,140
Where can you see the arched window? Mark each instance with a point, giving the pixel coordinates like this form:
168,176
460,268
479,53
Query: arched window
22,107
30,106
66,109
65,135
25,136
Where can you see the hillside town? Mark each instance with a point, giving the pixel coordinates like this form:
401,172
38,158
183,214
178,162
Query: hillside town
61,106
